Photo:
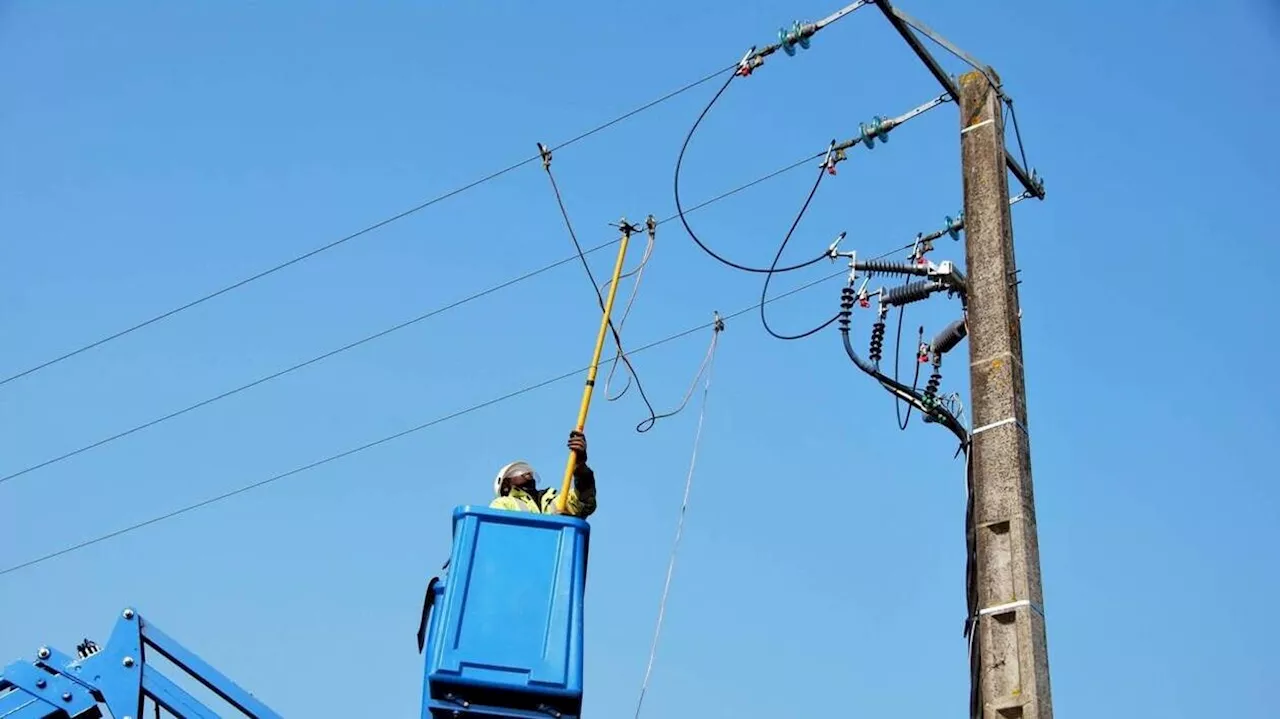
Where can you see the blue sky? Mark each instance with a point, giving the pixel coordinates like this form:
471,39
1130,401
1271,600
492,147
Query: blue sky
156,152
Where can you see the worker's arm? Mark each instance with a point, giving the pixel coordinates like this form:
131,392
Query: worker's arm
582,495
581,501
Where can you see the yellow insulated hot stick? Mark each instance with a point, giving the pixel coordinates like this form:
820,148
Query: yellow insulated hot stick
627,229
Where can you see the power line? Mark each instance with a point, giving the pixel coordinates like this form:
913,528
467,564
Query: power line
389,438
652,419
380,334
358,233
708,364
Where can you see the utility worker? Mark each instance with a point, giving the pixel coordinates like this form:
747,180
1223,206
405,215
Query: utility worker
516,486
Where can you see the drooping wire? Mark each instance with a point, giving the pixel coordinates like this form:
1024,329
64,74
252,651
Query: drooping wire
383,333
389,438
680,211
915,381
652,419
764,292
708,363
638,273
361,232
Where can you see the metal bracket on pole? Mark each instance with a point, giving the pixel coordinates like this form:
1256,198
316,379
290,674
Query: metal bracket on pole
904,24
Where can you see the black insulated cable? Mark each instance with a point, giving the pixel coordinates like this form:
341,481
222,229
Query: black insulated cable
680,211
937,413
903,422
647,423
764,292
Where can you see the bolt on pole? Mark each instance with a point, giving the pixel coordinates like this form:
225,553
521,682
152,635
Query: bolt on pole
1013,668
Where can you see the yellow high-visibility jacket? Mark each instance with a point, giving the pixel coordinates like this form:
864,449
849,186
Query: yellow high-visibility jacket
580,503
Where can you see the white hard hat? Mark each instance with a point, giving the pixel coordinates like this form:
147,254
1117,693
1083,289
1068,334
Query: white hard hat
515,467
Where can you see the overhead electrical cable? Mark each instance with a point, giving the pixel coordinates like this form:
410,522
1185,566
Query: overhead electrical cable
708,364
680,211
652,419
764,292
381,333
358,233
389,438
878,130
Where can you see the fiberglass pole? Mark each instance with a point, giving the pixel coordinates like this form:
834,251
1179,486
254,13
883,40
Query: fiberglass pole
627,229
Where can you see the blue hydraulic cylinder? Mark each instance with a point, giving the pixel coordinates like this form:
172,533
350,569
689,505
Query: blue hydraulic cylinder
504,634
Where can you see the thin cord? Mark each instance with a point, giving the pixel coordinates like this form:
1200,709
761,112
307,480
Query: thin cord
680,212
595,286
638,273
377,225
388,438
707,366
764,292
382,333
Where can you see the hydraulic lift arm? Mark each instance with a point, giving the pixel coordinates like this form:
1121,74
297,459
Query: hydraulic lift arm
56,685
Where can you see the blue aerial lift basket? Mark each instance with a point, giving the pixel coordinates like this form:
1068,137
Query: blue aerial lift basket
503,629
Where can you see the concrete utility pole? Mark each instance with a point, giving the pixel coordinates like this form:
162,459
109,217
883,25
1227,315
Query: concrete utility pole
1014,660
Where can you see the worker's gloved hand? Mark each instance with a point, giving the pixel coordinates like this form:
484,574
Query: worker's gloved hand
578,444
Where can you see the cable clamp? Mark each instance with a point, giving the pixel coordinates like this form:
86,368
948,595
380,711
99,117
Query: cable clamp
1001,423
545,152
922,246
832,157
835,156
717,323
834,247
749,62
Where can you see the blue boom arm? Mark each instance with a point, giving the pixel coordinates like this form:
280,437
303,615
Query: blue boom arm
56,685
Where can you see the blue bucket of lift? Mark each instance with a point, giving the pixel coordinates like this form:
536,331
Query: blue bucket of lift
505,632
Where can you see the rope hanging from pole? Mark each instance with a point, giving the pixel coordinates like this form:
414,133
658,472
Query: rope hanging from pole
705,369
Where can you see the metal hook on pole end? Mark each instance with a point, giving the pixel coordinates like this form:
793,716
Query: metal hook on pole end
626,227
545,152
717,323
651,225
